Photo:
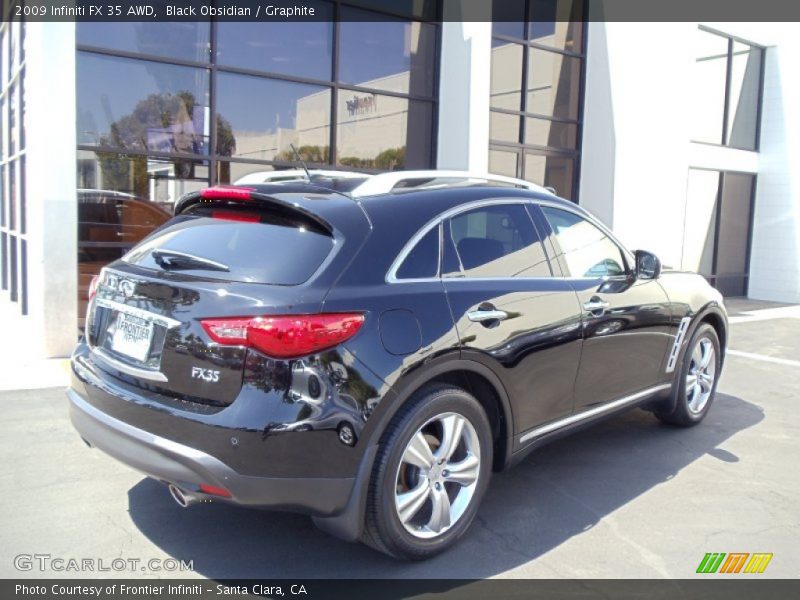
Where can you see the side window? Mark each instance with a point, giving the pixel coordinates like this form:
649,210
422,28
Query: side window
498,241
587,251
423,260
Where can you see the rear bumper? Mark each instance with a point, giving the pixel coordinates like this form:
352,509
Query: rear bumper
187,467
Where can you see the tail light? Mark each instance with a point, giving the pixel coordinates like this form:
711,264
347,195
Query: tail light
286,336
93,286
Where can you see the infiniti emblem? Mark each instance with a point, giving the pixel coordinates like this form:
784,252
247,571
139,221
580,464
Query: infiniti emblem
127,288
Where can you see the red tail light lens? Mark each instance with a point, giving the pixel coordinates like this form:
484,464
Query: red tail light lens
93,286
223,192
286,336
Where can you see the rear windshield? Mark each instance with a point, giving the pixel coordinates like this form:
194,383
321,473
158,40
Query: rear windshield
233,245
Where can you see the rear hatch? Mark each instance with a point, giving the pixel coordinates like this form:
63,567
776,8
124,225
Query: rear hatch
220,258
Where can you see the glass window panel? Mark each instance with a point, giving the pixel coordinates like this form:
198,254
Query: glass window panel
498,241
241,173
12,195
154,180
3,195
557,23
587,251
414,9
3,255
503,163
12,119
259,118
555,134
506,76
508,18
184,40
393,55
734,223
503,127
302,49
131,104
553,84
743,100
121,199
423,260
708,87
23,205
557,172
383,132
3,124
731,286
3,57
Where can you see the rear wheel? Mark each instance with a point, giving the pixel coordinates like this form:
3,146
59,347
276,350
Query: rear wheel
694,391
430,475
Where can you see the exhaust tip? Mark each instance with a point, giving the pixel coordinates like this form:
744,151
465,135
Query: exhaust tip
183,499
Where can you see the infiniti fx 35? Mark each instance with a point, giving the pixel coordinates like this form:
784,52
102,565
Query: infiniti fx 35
369,352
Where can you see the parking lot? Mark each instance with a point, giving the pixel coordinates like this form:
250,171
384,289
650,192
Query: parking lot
627,498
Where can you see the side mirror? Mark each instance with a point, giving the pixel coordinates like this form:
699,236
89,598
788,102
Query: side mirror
647,265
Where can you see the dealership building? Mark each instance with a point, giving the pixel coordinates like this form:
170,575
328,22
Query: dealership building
682,137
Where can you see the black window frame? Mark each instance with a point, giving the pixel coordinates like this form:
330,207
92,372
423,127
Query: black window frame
333,84
726,109
520,147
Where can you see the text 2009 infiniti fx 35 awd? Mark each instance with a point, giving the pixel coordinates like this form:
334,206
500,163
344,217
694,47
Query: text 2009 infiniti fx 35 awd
369,351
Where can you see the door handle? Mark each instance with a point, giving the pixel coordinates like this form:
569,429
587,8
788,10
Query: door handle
479,316
596,304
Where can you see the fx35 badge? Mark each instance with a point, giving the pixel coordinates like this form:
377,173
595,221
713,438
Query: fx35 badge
205,374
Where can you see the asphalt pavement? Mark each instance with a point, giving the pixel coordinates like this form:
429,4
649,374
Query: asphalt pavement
629,498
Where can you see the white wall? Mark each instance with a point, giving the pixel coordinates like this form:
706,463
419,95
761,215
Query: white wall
637,153
463,137
775,254
50,186
635,140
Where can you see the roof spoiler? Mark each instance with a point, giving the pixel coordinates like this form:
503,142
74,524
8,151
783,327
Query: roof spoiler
247,196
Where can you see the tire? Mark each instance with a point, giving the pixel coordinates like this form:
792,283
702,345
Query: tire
429,491
691,402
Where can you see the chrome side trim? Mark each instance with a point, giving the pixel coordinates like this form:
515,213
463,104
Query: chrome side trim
676,347
100,355
391,275
137,312
608,407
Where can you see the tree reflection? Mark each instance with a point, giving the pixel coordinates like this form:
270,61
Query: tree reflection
165,123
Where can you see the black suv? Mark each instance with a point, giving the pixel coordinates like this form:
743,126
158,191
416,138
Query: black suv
369,354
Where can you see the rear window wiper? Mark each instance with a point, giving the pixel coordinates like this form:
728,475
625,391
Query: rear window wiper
174,260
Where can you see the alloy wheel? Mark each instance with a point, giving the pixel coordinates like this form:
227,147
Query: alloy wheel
437,475
701,375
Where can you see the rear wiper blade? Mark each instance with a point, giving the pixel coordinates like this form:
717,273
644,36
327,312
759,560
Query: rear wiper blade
174,260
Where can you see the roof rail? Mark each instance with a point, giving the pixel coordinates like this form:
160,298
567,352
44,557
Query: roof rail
384,183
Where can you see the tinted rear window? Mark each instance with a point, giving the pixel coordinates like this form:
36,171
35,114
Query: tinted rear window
273,249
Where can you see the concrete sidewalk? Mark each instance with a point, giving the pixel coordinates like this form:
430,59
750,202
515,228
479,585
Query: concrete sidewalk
21,365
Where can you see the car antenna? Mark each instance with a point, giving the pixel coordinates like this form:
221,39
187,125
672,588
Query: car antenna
301,161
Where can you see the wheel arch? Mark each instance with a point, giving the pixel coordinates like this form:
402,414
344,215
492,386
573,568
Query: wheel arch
471,376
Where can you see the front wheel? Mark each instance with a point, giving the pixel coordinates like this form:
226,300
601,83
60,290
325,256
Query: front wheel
694,391
430,475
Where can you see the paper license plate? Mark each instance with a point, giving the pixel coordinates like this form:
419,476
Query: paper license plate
132,337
